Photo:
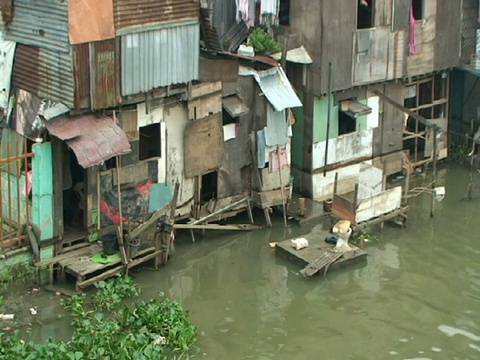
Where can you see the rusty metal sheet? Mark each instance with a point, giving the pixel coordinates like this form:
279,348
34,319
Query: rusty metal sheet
6,8
104,75
90,20
40,23
202,137
93,138
81,65
133,16
45,73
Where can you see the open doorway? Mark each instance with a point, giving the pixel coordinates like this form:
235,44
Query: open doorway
73,194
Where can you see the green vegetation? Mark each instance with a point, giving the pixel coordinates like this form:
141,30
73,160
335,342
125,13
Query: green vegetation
263,42
147,330
21,271
460,153
364,235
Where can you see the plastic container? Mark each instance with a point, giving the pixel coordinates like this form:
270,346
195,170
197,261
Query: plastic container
299,243
110,244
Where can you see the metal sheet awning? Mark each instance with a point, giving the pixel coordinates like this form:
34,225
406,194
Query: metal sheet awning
354,108
299,56
235,106
275,86
93,138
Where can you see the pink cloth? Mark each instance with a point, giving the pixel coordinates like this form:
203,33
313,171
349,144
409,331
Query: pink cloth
412,46
29,179
274,161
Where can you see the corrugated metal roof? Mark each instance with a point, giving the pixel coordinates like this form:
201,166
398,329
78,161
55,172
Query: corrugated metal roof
275,85
45,73
40,23
133,16
104,74
159,58
7,50
93,138
81,66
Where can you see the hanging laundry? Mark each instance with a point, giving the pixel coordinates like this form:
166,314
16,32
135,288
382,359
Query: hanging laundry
261,147
269,10
246,12
412,45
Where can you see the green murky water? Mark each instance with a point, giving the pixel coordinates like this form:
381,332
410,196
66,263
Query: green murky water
418,297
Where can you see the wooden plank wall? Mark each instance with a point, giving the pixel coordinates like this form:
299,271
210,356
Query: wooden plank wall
448,34
339,20
469,29
422,61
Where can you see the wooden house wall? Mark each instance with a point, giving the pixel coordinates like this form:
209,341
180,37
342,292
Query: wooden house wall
469,29
448,34
422,61
233,176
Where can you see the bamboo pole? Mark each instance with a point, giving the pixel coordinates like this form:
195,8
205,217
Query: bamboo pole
281,187
25,159
9,189
19,199
1,197
434,172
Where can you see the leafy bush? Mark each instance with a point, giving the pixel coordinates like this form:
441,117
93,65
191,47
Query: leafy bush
262,41
149,330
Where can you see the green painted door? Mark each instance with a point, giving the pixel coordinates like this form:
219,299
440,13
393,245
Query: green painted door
42,190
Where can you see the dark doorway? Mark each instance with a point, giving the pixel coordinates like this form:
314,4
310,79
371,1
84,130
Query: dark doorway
209,186
74,200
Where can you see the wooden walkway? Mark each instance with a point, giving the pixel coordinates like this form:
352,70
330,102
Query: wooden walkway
319,255
78,263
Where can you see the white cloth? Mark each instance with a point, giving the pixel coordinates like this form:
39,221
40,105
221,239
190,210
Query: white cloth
269,7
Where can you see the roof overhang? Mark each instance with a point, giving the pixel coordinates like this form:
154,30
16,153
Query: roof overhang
354,108
234,106
93,138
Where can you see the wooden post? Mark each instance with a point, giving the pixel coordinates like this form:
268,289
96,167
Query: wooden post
434,172
120,215
330,94
9,193
284,207
249,209
173,206
1,197
335,185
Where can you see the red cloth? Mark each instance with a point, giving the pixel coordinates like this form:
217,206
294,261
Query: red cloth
112,213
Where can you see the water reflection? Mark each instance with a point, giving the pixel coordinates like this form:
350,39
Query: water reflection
418,296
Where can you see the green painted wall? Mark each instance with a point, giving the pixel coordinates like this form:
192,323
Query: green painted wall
42,189
362,120
320,116
12,208
13,199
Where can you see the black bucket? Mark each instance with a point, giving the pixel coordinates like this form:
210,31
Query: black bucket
110,244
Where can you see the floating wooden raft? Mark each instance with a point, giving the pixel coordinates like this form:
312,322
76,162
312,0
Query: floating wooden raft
326,258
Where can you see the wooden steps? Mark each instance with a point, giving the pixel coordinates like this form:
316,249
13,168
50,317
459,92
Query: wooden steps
326,258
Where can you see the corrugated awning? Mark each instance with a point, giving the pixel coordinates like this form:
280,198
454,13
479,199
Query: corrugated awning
276,87
93,138
234,106
354,108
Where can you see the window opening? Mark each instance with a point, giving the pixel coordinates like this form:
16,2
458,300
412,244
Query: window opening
149,146
284,12
346,123
365,18
418,9
209,186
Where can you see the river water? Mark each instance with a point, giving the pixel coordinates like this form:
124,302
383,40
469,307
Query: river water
417,297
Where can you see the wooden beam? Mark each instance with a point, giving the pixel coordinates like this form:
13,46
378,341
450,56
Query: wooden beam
153,219
222,210
402,108
245,227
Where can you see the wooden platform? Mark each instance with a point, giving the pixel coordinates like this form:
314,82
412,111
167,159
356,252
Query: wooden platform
77,263
319,256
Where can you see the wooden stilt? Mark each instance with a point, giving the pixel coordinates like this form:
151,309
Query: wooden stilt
120,214
266,212
284,208
249,209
